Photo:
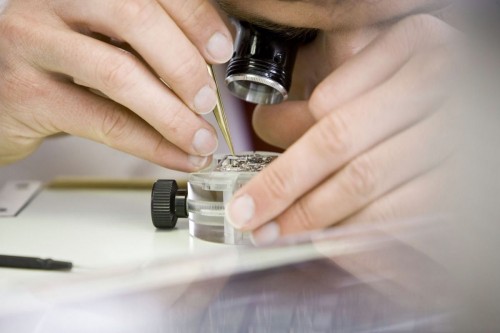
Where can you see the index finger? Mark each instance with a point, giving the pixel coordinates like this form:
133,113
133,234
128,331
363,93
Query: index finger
162,34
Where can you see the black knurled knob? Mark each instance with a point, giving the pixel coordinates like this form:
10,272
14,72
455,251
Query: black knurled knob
165,206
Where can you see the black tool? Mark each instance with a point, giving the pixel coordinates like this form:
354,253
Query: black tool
34,263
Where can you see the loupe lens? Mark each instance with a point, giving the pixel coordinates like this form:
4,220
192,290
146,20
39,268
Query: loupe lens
260,70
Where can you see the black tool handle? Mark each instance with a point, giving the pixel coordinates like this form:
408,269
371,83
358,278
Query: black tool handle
34,263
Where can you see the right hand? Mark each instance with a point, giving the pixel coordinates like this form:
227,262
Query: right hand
48,45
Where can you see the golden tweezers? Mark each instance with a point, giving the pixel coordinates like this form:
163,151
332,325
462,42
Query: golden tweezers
220,115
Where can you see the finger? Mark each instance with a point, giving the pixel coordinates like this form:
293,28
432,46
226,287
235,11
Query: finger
418,213
149,29
203,25
121,77
395,258
378,61
367,178
338,138
282,124
84,114
415,213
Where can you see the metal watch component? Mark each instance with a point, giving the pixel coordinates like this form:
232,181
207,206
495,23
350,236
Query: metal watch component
244,163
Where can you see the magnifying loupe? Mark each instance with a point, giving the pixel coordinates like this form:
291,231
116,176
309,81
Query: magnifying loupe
260,70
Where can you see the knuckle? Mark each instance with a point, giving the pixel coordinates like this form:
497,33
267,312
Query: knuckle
176,122
187,71
384,210
421,22
321,100
114,72
11,85
277,183
137,12
359,180
334,134
435,79
20,80
13,28
193,14
115,126
422,29
8,30
159,148
17,85
304,216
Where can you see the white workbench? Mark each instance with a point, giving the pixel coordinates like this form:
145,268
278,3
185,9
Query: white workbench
109,237
128,277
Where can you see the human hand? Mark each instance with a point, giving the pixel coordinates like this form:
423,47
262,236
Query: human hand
380,133
48,45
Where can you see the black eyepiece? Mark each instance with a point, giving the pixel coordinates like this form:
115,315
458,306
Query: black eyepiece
260,70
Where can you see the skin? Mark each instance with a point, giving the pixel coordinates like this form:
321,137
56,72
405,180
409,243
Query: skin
369,127
370,143
155,93
367,123
364,122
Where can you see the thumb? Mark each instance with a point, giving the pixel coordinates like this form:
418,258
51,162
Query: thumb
282,124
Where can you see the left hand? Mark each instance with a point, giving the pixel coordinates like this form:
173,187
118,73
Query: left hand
380,127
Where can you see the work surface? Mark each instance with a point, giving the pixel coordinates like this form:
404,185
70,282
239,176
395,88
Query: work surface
99,230
128,276
94,229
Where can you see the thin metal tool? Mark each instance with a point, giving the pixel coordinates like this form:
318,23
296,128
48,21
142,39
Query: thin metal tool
220,115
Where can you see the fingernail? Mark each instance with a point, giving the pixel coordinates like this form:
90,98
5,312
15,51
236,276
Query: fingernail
266,235
197,161
204,142
240,211
205,100
220,47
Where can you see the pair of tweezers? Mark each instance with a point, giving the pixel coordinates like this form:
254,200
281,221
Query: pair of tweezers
220,115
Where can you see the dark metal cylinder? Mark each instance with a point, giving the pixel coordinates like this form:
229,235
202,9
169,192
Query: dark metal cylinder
260,70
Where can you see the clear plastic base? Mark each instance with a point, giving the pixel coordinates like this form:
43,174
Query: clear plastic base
216,234
210,190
